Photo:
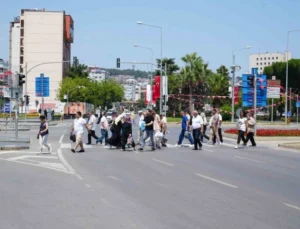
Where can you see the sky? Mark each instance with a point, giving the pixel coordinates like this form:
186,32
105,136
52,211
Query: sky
106,30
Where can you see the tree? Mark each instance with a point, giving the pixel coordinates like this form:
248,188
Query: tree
77,70
192,72
218,85
222,70
172,67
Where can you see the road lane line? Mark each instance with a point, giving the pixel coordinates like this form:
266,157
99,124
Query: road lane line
88,185
215,180
208,150
64,161
62,137
292,206
249,159
162,162
28,156
115,178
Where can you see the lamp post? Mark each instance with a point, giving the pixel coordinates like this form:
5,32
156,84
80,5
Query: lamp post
161,57
68,92
151,79
28,71
232,81
287,71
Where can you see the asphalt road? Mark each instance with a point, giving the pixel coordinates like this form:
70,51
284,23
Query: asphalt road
176,188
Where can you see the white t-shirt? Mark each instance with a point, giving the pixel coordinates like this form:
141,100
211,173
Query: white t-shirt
197,122
220,121
242,124
188,116
92,122
141,120
104,123
164,120
79,125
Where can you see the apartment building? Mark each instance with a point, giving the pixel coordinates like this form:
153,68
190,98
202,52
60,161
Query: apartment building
37,39
97,74
262,60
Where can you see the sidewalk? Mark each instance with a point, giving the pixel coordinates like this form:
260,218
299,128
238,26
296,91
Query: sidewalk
8,141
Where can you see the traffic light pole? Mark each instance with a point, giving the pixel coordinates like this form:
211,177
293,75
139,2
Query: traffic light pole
255,100
25,92
16,114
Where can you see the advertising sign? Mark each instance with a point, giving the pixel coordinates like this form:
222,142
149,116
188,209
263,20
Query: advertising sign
273,89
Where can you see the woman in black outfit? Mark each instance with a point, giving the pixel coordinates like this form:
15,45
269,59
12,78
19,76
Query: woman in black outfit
127,133
115,139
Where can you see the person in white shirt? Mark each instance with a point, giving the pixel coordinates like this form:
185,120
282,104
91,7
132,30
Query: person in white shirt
214,120
219,128
242,128
104,129
197,125
78,129
92,123
140,131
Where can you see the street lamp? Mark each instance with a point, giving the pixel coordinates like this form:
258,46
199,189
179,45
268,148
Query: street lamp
287,72
161,57
68,92
232,82
151,79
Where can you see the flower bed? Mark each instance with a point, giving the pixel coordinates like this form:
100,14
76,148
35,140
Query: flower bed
270,132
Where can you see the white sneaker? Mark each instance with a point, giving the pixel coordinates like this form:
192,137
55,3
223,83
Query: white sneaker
49,150
191,145
236,147
41,151
178,145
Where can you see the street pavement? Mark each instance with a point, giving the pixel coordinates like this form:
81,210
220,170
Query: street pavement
176,188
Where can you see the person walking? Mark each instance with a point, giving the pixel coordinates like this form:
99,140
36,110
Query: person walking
157,130
126,135
219,128
205,124
62,116
92,123
251,126
242,128
43,134
214,120
104,129
197,126
140,131
149,121
78,129
184,128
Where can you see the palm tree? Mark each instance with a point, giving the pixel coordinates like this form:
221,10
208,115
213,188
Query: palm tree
222,70
172,67
192,72
218,85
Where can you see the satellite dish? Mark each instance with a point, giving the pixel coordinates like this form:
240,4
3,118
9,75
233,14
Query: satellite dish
237,113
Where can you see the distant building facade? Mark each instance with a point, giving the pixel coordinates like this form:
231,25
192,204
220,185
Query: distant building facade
262,60
97,74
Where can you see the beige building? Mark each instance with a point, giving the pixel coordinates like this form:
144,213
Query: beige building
262,60
44,36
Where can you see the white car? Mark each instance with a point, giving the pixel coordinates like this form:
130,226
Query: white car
109,116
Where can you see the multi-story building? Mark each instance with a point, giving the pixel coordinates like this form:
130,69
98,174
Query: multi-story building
97,74
130,89
40,43
262,60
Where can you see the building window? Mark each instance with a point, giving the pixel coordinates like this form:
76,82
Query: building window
269,63
256,58
265,58
261,68
276,57
272,58
265,63
260,58
257,63
269,58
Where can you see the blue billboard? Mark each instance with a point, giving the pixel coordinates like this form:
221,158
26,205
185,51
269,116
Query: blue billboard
42,86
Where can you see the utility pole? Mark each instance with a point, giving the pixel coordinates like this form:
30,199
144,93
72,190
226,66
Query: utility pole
16,114
291,101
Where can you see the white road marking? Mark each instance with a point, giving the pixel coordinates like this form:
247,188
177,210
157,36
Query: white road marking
38,165
292,206
26,156
88,185
61,138
249,159
162,162
208,150
66,146
171,146
115,178
63,160
79,177
87,146
215,180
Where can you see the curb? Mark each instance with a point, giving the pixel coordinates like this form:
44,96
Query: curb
290,145
15,141
258,138
14,147
23,129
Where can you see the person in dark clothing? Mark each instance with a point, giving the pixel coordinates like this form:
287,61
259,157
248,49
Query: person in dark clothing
149,121
115,139
127,133
45,113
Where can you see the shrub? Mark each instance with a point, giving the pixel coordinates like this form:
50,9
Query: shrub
270,132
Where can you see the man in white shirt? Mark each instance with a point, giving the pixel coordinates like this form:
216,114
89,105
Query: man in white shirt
140,131
92,123
104,129
78,129
214,122
197,125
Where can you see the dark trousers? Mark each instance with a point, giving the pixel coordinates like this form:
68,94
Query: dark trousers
196,136
124,139
90,135
203,135
251,138
220,135
104,135
241,136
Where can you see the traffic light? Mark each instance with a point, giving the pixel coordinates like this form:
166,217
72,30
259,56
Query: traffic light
27,99
250,80
118,62
21,81
163,99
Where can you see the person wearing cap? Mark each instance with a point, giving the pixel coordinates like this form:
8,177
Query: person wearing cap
140,131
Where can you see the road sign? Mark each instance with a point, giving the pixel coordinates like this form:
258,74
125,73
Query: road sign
248,91
273,89
297,104
42,87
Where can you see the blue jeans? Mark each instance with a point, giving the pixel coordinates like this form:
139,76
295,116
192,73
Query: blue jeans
181,137
149,133
104,134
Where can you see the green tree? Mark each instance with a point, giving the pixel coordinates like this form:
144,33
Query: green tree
77,70
172,67
192,72
222,70
218,85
